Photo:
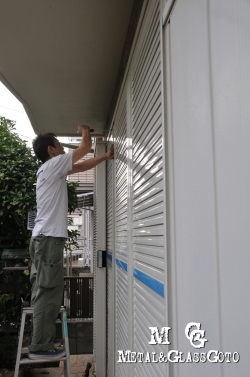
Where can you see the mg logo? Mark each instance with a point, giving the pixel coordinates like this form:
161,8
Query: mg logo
196,335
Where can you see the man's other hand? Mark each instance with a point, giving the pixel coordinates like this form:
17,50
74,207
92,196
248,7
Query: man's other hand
85,145
110,153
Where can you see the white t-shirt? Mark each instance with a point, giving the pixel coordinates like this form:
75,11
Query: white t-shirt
52,197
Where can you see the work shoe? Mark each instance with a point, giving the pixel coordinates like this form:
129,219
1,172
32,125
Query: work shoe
57,343
51,354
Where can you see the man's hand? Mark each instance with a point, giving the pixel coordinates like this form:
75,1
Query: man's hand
110,153
92,162
83,130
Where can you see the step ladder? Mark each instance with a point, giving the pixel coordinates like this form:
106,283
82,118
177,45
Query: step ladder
21,350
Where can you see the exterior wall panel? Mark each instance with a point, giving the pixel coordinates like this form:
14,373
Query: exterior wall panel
229,25
208,125
194,219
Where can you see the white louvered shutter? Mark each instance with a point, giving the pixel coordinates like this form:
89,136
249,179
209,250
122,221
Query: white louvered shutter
139,255
110,267
95,266
121,259
148,190
31,220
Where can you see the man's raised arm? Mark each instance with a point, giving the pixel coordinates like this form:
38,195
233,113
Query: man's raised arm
85,146
92,162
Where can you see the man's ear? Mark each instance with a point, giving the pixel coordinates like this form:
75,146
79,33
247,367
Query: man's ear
51,151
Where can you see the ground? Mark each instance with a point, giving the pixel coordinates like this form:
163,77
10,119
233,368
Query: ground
78,368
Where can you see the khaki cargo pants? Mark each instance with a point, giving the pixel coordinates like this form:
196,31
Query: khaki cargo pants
46,277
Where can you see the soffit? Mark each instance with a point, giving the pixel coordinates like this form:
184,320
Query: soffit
61,59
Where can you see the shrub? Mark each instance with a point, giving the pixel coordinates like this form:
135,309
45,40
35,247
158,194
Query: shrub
18,166
8,350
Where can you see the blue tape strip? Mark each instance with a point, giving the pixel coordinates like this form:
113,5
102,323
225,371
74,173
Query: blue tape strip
109,256
65,326
121,264
152,283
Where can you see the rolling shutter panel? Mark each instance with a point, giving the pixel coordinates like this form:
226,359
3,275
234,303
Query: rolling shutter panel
110,268
94,269
121,198
148,207
139,253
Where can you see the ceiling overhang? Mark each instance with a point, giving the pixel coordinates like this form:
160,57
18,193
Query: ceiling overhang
61,59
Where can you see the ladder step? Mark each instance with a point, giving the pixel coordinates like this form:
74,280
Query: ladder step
27,360
15,268
29,310
26,349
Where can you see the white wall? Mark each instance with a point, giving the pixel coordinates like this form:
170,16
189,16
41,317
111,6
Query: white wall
207,81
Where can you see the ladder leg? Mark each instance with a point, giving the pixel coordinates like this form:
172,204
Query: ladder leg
20,350
67,368
20,343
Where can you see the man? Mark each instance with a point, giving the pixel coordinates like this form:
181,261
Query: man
49,234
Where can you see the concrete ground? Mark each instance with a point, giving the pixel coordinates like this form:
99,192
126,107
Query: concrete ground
78,367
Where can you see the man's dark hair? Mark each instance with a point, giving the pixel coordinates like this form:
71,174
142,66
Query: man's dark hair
41,143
